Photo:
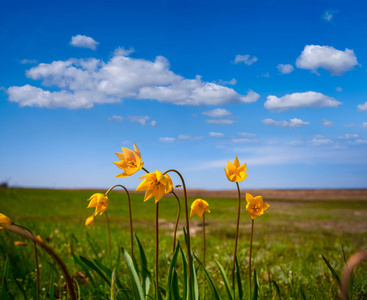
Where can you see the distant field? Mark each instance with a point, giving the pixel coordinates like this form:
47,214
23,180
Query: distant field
288,242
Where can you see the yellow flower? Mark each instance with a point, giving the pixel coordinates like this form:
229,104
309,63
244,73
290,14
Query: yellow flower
5,221
19,243
130,161
255,206
235,172
99,201
89,221
199,206
38,237
155,184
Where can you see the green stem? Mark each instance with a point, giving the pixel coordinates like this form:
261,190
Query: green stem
69,281
204,246
130,216
189,258
249,267
236,239
177,219
35,258
109,233
156,250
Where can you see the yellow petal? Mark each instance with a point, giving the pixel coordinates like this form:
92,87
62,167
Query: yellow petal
19,243
236,162
158,192
137,150
159,175
169,186
5,221
148,194
248,197
265,206
89,221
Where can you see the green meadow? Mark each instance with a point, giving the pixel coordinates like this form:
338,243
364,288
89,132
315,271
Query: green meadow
290,240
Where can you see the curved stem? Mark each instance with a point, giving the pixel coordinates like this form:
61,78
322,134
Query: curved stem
35,258
236,237
187,225
177,219
145,170
130,216
156,250
109,233
249,267
52,254
204,246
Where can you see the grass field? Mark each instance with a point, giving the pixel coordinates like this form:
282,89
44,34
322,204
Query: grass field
289,241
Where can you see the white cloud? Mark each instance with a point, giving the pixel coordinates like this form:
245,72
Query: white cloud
327,123
295,143
285,69
349,136
28,61
233,81
153,123
167,139
245,134
216,134
83,41
85,82
358,142
295,100
362,107
320,140
245,59
339,89
121,51
291,123
142,120
335,61
328,15
115,118
364,124
266,75
220,122
217,113
238,141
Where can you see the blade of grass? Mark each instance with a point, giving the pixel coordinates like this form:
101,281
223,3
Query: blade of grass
185,277
137,288
357,286
303,293
52,286
145,274
175,290
335,275
256,287
277,288
211,283
170,273
4,292
92,265
85,269
239,283
225,279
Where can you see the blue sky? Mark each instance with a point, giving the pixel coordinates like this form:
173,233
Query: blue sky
280,84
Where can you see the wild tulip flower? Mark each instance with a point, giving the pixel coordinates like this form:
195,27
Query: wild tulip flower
235,172
89,221
19,243
155,184
129,161
5,221
100,202
199,206
255,205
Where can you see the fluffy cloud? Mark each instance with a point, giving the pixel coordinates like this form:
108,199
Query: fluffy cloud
28,61
142,120
246,59
83,83
327,16
216,134
362,107
285,69
180,138
83,41
291,123
245,134
364,125
339,89
220,122
233,81
167,139
358,142
115,118
217,113
349,136
327,123
295,100
320,140
239,141
335,61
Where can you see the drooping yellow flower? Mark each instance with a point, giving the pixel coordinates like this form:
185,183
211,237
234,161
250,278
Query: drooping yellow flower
199,206
5,221
235,172
100,202
129,161
19,243
89,221
155,184
255,205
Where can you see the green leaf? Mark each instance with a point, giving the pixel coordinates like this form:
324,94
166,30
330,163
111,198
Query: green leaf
78,261
335,275
225,279
113,285
4,289
276,287
145,274
52,286
186,286
303,293
213,287
256,287
176,293
93,266
170,273
137,288
356,286
239,282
